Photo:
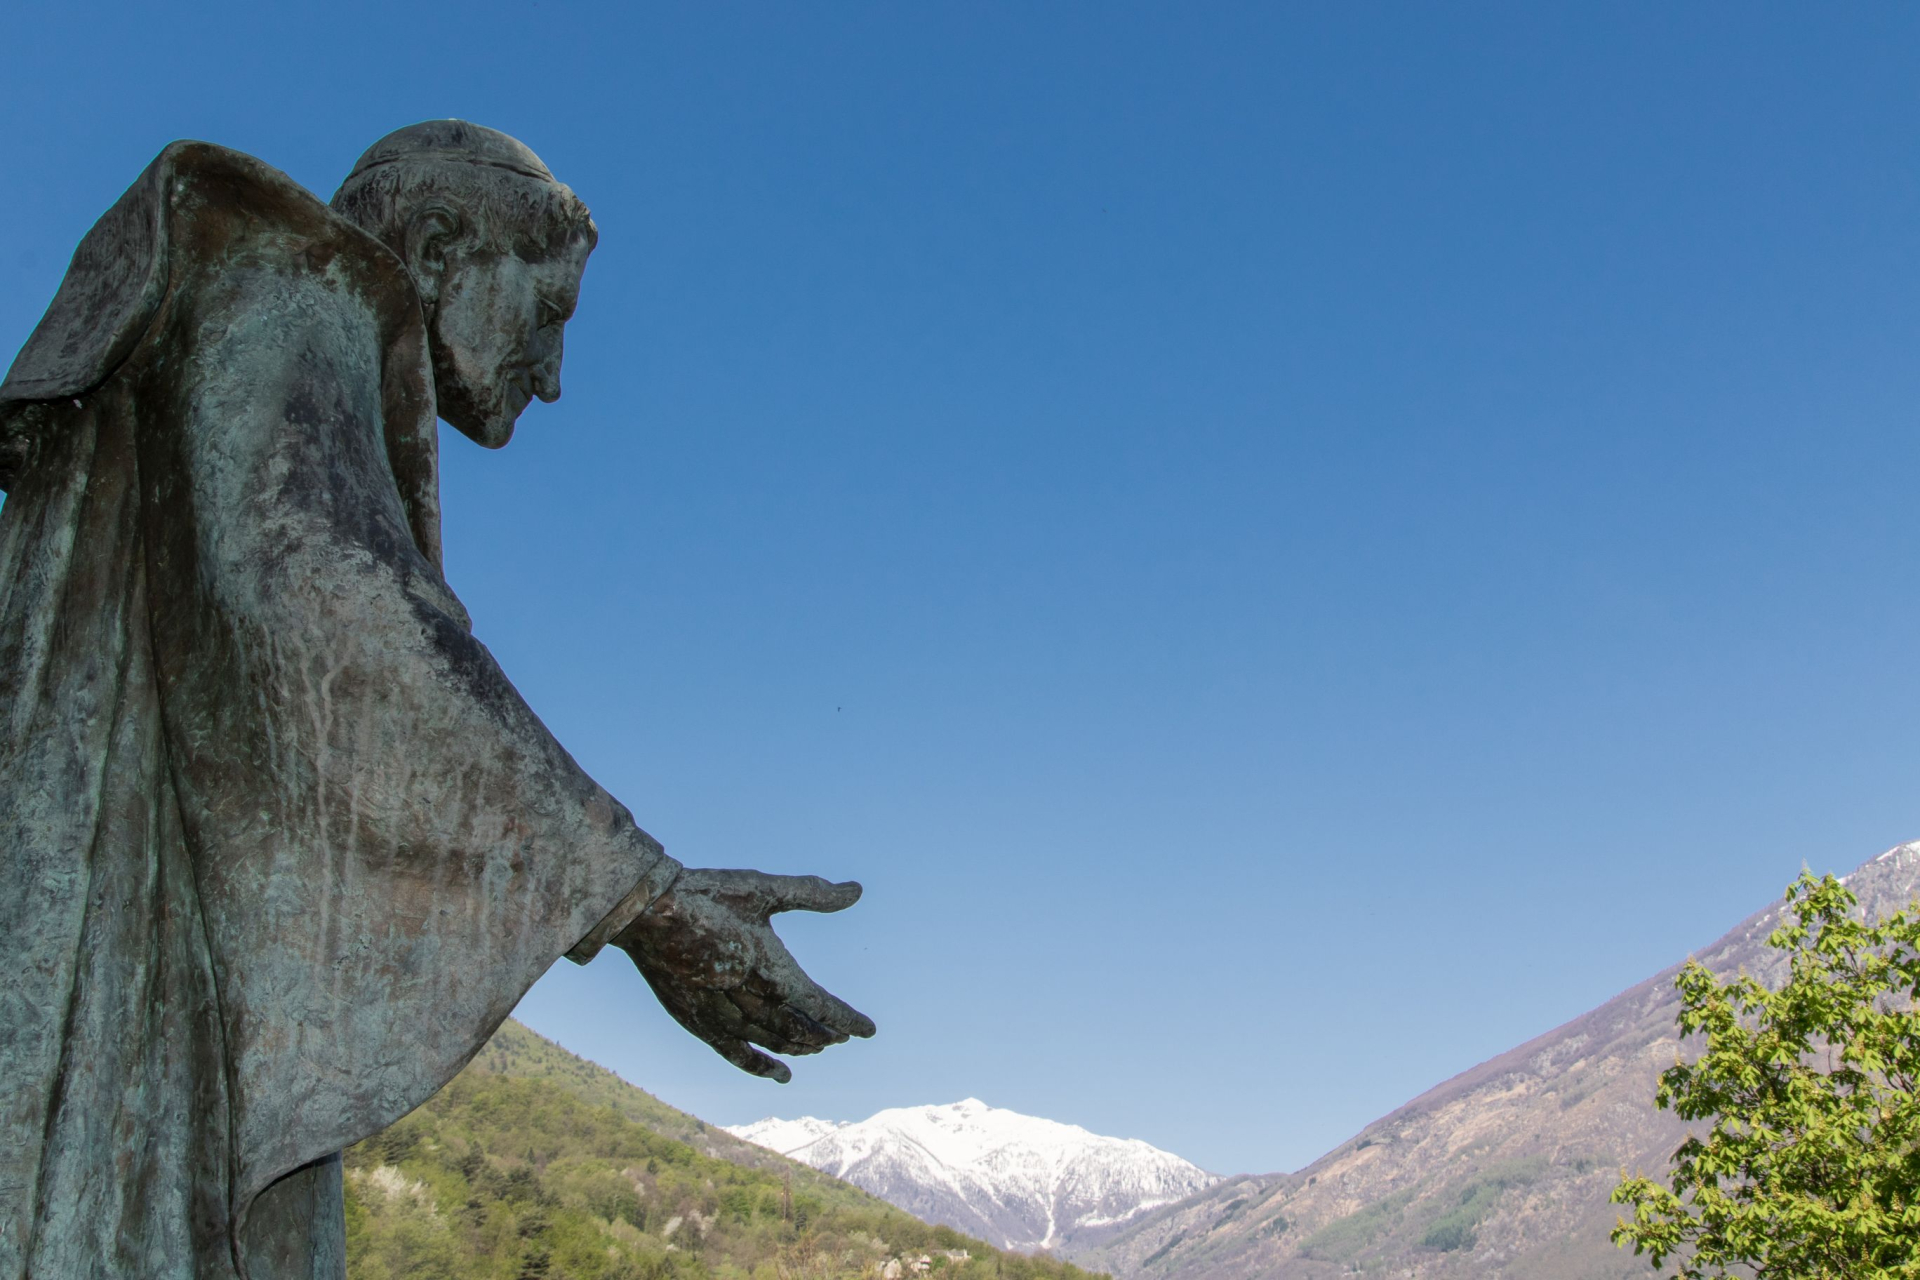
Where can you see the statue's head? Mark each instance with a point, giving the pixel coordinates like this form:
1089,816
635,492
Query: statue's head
496,247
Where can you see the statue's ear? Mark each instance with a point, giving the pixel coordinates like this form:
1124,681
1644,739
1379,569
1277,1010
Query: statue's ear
432,234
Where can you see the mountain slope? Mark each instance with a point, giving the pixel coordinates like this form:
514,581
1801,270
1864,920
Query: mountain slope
1024,1182
1503,1170
535,1165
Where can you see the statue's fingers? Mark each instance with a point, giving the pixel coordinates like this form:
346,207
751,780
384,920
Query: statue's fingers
785,977
801,1029
779,1026
829,1010
812,893
751,1060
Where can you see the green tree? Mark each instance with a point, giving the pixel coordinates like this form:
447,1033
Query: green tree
1810,1166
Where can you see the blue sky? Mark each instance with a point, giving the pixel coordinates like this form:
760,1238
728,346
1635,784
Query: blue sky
1292,548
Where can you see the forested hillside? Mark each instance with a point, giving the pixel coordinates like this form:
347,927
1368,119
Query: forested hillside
535,1165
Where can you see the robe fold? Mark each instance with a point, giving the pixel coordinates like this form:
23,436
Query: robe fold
280,845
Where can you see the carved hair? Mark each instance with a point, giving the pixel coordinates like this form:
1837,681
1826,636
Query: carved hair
502,195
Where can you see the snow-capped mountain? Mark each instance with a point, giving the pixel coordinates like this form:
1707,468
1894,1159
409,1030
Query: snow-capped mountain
1017,1181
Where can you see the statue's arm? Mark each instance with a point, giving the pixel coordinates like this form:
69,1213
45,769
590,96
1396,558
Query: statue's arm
355,694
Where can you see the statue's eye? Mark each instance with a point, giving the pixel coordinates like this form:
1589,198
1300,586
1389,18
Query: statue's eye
550,315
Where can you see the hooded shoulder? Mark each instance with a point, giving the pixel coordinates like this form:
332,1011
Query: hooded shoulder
191,204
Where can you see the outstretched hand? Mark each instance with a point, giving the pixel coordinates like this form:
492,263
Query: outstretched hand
707,949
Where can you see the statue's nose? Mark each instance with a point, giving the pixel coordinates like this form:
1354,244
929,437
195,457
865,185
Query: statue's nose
546,374
546,381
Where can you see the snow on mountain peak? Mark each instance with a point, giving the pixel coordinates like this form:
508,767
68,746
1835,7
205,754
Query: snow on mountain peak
785,1136
1018,1180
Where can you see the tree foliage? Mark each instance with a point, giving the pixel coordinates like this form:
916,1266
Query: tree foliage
1809,1164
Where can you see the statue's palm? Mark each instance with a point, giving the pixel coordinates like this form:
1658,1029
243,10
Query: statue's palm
707,949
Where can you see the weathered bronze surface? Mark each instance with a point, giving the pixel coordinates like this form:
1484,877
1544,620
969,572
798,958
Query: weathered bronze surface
280,845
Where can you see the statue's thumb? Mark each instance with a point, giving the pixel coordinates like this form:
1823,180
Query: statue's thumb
812,893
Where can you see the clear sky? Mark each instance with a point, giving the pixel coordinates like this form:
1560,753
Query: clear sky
1292,548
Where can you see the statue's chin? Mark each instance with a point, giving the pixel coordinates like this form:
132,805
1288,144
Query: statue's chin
489,426
488,433
480,399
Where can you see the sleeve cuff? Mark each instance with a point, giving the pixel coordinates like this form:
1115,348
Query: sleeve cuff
658,880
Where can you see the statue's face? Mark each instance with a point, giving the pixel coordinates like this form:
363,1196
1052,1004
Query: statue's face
497,335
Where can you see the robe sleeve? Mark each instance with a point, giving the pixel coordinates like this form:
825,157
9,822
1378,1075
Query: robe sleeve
390,847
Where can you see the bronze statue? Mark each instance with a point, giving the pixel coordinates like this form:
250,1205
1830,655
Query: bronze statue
281,844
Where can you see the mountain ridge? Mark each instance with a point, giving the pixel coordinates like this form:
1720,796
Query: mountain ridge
1022,1181
1501,1170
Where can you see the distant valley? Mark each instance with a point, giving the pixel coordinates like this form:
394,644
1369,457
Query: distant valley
534,1162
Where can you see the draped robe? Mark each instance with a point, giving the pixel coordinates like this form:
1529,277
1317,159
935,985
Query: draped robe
280,845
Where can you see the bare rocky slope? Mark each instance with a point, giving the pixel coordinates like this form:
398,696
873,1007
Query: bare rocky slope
1502,1171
